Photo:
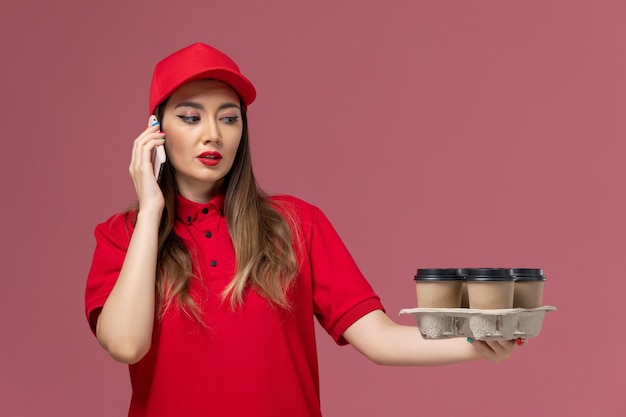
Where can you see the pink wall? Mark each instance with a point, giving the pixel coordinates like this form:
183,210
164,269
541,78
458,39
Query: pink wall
432,133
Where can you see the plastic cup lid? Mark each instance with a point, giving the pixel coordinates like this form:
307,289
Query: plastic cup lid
489,274
528,274
439,274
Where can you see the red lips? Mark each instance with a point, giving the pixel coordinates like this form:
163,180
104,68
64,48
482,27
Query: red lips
210,158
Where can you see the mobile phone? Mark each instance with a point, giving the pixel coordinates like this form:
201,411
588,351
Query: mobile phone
158,153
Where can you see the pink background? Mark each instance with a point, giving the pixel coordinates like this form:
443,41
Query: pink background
432,133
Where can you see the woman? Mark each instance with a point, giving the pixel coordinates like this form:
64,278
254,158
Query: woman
208,288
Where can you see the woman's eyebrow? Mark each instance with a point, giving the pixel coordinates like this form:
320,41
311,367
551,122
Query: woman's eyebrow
191,104
228,106
199,106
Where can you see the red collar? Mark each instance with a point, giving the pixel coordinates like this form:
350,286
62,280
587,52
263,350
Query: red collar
187,211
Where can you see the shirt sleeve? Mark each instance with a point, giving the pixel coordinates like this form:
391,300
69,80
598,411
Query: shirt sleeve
112,240
341,294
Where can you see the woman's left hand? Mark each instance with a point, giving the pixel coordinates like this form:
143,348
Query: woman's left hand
495,350
384,342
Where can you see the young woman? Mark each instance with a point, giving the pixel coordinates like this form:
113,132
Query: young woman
209,288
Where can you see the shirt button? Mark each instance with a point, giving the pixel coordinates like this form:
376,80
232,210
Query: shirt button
188,219
205,210
208,234
213,263
222,212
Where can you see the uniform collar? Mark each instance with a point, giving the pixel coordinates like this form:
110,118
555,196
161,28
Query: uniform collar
187,211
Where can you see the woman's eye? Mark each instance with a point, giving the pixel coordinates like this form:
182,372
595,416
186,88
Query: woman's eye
230,120
189,119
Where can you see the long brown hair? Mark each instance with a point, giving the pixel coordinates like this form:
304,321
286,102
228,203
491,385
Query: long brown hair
263,236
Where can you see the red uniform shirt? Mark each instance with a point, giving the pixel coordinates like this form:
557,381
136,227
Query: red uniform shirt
257,360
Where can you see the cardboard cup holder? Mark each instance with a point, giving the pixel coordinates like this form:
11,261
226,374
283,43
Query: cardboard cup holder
505,324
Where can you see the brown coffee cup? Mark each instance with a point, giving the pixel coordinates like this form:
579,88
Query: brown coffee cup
438,287
529,285
490,288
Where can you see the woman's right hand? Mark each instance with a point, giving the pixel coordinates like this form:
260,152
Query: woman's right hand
141,169
124,327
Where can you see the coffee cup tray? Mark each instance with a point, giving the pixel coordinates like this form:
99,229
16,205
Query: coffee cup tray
506,324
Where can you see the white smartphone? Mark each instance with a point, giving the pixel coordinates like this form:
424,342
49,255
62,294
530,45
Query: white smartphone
158,154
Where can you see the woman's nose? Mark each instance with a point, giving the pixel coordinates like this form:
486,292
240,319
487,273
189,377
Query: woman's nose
210,132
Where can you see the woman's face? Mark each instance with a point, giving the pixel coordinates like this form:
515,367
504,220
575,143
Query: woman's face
203,128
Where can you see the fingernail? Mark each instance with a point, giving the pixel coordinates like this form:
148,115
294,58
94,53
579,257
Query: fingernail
155,123
471,340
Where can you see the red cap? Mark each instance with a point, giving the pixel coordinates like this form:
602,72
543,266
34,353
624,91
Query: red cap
195,62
